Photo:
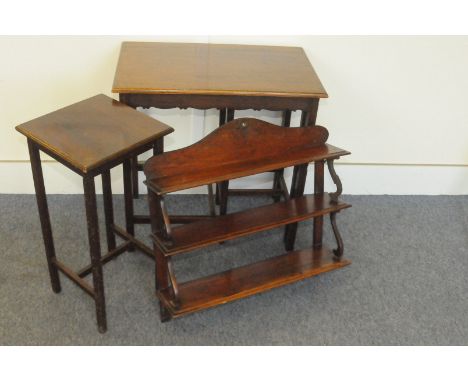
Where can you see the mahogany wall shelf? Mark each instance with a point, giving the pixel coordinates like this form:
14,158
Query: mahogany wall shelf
242,147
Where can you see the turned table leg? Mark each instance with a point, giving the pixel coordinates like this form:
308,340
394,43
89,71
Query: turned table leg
95,251
44,217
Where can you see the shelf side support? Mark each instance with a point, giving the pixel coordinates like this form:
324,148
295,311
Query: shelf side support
163,275
173,280
339,241
339,187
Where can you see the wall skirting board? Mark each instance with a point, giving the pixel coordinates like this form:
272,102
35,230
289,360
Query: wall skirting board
359,179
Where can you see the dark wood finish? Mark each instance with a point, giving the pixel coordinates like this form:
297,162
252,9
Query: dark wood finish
108,209
222,121
137,243
175,219
223,187
339,187
161,264
297,190
318,189
222,117
215,69
75,278
308,117
243,147
93,132
221,228
128,199
204,102
278,180
44,216
211,201
95,251
134,173
238,148
158,147
111,255
204,76
90,138
250,279
284,188
338,252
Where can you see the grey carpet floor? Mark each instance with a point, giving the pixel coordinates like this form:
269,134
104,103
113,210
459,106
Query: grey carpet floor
407,284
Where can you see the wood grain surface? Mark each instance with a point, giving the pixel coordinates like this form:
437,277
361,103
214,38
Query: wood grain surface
181,68
243,147
94,131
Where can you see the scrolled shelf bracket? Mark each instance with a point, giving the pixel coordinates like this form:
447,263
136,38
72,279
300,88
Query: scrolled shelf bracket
339,187
338,252
167,222
175,286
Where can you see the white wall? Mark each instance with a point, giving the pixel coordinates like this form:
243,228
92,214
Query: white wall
399,104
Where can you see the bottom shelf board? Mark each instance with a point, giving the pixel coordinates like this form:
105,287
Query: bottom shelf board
250,279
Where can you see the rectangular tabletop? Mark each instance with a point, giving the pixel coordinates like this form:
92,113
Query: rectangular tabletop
93,132
215,69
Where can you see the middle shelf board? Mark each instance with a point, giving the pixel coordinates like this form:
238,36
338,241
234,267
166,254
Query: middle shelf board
225,227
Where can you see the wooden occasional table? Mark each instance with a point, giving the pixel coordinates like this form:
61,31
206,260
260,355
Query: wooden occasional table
228,78
91,137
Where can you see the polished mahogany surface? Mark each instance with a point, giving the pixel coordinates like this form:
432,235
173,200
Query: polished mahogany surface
92,132
227,227
250,279
240,148
215,69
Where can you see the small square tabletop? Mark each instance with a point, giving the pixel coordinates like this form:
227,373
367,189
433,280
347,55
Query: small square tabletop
91,133
215,69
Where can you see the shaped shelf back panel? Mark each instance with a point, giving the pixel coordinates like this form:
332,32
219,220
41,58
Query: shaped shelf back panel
242,147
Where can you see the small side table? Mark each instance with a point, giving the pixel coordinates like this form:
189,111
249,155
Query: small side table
91,137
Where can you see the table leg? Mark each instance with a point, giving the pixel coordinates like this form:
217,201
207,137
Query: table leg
286,122
223,187
222,121
297,189
127,182
158,147
44,217
318,189
95,251
134,173
108,209
308,118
